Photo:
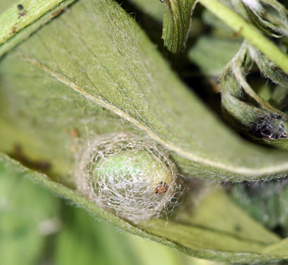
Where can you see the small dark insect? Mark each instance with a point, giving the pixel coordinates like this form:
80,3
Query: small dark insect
270,127
161,188
23,14
20,7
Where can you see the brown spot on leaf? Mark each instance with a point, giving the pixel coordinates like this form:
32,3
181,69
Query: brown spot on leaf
237,33
38,165
74,133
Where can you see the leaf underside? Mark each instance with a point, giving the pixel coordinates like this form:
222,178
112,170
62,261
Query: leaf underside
72,53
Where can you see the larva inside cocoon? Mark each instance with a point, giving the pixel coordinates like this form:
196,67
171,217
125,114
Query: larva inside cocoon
128,175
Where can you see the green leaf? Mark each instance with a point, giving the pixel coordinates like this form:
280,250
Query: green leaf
279,248
176,23
25,17
215,229
204,229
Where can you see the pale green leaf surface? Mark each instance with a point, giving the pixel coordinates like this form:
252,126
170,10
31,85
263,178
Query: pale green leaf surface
99,52
207,241
24,209
18,24
176,23
102,243
217,222
279,249
217,206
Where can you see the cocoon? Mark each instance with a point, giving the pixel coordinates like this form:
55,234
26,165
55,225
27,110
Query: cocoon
128,175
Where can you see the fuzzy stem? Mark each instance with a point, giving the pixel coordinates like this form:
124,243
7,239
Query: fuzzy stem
249,32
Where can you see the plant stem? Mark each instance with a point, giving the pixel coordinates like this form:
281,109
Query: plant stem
247,31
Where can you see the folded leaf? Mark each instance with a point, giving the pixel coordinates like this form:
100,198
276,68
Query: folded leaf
176,23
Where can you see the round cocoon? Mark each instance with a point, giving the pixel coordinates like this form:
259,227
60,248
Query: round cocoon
128,175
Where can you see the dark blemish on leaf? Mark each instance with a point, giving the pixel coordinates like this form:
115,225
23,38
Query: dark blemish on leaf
20,7
14,29
18,154
161,188
237,33
23,14
237,228
269,127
